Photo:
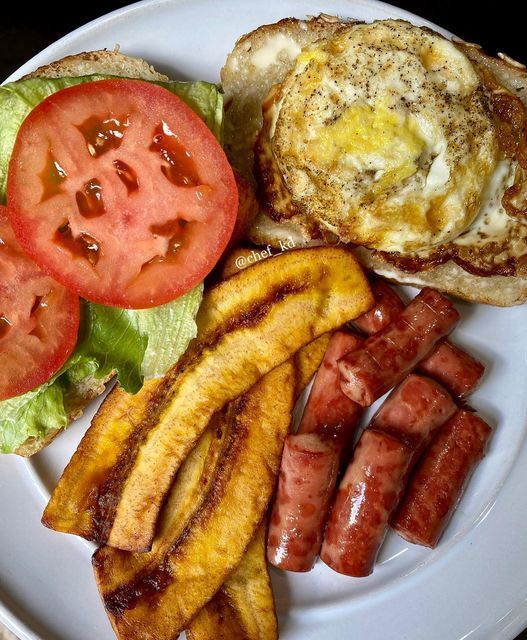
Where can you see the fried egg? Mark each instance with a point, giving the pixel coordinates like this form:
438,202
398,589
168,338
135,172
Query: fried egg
382,135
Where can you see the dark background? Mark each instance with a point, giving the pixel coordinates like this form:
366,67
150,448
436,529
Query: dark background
493,25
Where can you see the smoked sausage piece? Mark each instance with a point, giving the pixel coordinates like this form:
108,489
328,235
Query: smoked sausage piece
328,410
387,357
388,306
454,368
440,477
414,411
310,463
305,489
366,498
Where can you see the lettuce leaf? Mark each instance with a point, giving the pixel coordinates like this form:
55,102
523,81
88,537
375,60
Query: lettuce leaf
18,98
33,414
133,343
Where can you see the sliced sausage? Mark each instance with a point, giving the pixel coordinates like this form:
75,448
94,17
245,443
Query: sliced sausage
387,307
387,357
440,478
305,488
454,368
414,411
328,410
366,499
310,464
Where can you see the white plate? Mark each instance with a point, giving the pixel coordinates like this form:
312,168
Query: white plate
474,585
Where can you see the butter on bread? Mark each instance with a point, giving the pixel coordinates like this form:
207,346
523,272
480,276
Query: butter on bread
275,47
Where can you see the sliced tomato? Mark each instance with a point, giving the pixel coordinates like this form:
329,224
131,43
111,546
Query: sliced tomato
39,319
118,190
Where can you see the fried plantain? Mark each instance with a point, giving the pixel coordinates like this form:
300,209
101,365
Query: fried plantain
244,606
160,602
249,324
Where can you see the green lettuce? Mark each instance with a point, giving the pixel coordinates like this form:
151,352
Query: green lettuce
133,343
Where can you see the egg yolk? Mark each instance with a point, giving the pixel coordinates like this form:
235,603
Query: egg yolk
376,139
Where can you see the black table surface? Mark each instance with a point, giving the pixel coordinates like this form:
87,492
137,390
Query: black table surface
492,25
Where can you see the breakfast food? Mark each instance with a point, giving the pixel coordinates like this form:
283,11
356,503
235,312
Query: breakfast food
244,333
39,319
308,475
388,305
388,356
414,411
134,344
386,139
440,478
244,606
366,499
456,370
310,463
391,137
100,178
228,446
412,414
161,601
328,410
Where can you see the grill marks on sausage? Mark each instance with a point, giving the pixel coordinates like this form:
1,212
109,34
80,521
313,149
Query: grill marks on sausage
106,497
440,478
385,358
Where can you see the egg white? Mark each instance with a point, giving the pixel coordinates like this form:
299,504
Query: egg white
384,136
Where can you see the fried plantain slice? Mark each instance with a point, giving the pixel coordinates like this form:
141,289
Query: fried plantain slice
117,567
161,602
244,606
249,324
70,509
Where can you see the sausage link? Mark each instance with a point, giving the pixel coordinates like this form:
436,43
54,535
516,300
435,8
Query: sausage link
414,411
454,368
388,306
366,499
310,464
328,410
438,482
305,488
387,357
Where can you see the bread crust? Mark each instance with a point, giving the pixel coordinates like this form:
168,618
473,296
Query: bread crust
102,61
247,90
82,64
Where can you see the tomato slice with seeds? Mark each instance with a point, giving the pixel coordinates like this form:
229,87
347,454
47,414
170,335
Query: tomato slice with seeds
39,319
118,190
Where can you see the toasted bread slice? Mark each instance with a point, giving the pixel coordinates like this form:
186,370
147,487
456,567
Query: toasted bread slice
82,64
259,60
246,84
